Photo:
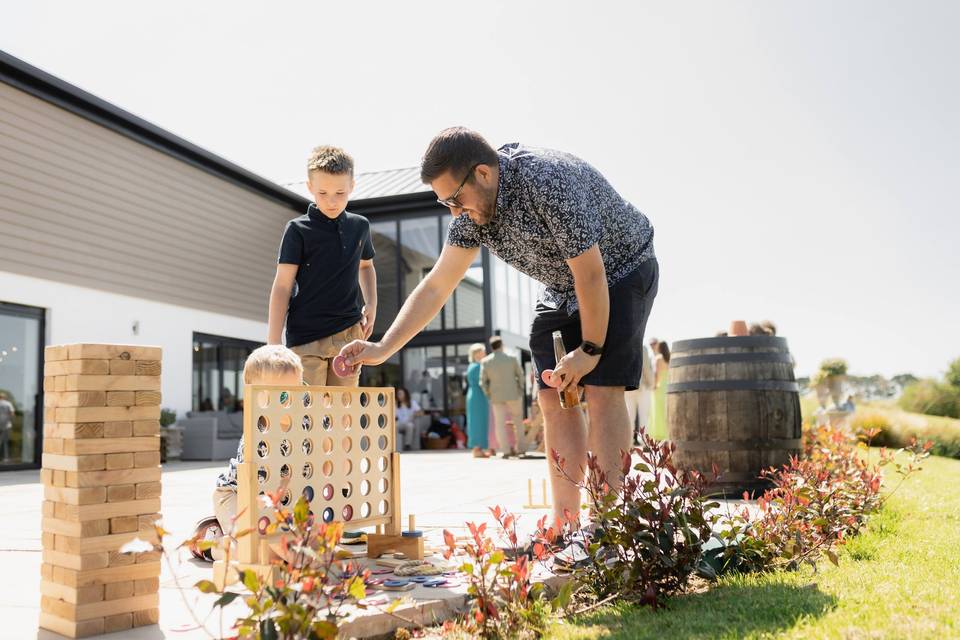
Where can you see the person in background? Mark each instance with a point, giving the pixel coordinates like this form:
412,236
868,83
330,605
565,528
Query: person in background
658,414
501,379
639,399
7,411
407,411
478,416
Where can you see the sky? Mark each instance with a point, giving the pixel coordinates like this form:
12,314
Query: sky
800,161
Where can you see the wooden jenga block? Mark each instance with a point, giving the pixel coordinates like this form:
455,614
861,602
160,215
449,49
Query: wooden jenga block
77,367
119,622
148,557
146,458
104,414
46,571
73,578
73,595
55,352
115,461
70,628
50,413
88,351
68,430
148,522
121,398
122,493
48,509
118,476
148,368
124,524
48,540
49,384
94,610
107,383
117,559
94,462
105,510
74,399
77,529
147,398
123,429
148,585
146,490
146,617
68,495
123,367
80,562
53,445
46,477
146,428
108,543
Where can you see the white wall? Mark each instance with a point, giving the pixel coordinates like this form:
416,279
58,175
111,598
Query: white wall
78,314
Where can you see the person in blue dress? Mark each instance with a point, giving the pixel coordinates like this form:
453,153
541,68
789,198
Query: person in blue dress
478,417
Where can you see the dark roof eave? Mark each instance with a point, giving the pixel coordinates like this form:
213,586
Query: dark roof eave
49,88
395,204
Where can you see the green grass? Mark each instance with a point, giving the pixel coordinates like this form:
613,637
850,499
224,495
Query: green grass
899,579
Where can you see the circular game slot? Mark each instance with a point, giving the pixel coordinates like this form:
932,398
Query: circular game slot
286,422
285,471
382,463
364,443
263,474
307,471
307,446
365,510
383,485
346,444
307,399
307,423
381,399
285,448
285,499
327,445
326,400
263,399
347,490
263,424
308,493
327,422
364,487
346,421
285,399
382,421
328,515
263,449
327,492
346,398
347,467
364,399
364,421
327,468
383,507
262,525
347,513
364,465
382,443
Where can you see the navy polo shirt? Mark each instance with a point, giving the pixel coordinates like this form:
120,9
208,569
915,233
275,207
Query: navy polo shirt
326,298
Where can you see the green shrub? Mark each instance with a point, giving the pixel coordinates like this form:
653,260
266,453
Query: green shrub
931,397
834,367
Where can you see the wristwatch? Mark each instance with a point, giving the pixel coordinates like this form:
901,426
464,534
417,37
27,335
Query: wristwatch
591,349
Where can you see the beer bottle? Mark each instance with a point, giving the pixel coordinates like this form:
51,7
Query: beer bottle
571,397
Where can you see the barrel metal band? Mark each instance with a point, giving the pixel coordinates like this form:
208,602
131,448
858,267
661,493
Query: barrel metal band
755,444
720,358
734,385
729,341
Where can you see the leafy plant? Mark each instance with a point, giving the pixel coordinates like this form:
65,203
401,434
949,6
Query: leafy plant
505,602
167,417
648,532
932,398
834,367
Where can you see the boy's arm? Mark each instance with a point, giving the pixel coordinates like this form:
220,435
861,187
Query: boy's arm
368,286
420,307
280,300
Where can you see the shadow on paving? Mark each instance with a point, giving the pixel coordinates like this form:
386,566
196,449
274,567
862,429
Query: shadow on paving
725,612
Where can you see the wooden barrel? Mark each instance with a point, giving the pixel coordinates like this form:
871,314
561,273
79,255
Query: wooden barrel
733,402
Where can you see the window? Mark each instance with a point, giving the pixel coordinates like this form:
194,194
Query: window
218,372
21,354
420,238
388,295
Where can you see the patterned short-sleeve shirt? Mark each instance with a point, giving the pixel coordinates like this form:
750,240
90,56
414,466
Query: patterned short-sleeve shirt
552,206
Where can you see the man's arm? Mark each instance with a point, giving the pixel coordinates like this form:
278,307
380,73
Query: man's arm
280,300
368,286
485,378
593,296
420,307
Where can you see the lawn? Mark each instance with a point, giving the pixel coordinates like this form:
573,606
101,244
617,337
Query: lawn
899,579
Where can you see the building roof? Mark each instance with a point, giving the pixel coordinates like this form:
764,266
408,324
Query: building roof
30,79
394,182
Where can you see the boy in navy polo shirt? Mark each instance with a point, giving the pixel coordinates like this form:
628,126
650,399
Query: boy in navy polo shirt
325,264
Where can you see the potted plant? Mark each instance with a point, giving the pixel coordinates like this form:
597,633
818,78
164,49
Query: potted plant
834,372
821,386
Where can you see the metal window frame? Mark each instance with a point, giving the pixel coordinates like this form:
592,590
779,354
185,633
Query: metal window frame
40,314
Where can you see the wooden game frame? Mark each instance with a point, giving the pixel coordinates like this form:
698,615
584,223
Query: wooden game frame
347,425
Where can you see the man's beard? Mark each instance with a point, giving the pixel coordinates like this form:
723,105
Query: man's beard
483,214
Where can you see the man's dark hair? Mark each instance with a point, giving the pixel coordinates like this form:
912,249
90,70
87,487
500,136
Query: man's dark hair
456,150
496,342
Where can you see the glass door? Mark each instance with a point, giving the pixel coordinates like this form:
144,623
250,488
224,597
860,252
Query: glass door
21,358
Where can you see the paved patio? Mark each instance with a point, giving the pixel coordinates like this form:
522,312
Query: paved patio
443,489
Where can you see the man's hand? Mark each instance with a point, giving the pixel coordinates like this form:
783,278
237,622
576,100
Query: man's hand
361,352
368,320
573,367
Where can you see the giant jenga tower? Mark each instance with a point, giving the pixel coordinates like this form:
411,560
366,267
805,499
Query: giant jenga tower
101,487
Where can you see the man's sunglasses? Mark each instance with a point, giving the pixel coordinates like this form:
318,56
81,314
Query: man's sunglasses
452,201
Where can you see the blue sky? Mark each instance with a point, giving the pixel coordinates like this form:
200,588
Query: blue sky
799,160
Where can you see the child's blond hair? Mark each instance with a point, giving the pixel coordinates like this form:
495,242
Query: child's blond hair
271,358
332,160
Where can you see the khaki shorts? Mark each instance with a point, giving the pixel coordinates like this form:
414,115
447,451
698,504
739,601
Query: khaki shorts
317,356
